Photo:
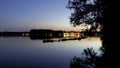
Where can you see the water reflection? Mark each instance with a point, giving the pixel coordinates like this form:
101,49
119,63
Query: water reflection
90,60
46,39
47,35
56,52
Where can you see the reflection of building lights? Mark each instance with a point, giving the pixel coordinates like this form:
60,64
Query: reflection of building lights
66,34
50,34
72,34
60,34
25,34
77,34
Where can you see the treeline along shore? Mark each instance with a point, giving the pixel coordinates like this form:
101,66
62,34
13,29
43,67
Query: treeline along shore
12,34
47,34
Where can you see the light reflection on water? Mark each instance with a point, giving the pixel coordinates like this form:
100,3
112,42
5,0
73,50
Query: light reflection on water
23,52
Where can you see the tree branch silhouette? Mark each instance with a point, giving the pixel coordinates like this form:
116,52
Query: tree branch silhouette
100,12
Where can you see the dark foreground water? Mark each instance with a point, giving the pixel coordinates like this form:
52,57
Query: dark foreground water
22,52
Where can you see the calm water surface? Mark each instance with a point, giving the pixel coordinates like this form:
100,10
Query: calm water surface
22,52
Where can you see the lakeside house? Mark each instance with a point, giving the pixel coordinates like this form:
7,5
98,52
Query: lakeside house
41,34
48,34
72,34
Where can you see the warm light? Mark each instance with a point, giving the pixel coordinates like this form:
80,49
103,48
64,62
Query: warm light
72,34
66,34
25,34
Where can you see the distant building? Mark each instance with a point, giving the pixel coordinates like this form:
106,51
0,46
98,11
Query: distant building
72,34
54,34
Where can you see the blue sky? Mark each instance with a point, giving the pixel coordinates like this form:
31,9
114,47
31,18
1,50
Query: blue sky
23,15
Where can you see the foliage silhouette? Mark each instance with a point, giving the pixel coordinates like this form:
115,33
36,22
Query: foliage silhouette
90,60
101,13
85,11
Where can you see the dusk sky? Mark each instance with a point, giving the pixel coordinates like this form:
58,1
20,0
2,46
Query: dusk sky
23,15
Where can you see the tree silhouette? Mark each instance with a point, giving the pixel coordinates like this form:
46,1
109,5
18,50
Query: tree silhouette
90,60
85,11
100,12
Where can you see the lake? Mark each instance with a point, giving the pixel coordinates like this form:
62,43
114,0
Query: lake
22,52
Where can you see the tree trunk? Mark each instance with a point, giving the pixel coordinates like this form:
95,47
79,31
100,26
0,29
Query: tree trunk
109,31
